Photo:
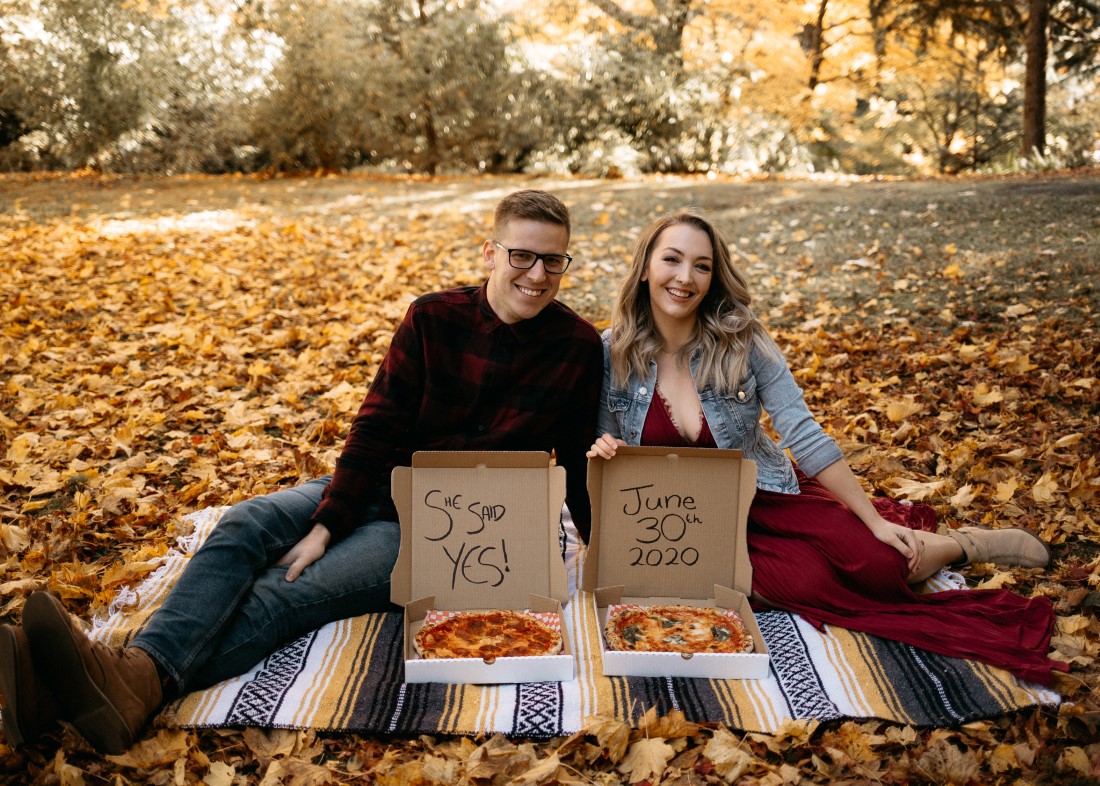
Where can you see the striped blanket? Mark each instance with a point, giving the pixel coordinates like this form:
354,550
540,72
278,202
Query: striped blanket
347,676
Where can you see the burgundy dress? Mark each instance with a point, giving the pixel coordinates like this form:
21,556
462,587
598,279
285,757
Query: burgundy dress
846,577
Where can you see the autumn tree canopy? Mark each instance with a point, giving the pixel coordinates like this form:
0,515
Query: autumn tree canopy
593,86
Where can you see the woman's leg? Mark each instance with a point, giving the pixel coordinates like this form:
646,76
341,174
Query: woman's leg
937,551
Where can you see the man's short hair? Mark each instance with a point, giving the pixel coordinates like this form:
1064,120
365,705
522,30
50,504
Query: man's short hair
533,205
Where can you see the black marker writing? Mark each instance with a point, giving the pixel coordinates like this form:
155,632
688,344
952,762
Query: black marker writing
634,506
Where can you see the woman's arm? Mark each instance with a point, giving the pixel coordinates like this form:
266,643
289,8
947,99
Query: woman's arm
605,420
841,482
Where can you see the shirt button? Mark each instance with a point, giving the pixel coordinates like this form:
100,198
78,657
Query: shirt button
642,391
741,395
633,432
481,428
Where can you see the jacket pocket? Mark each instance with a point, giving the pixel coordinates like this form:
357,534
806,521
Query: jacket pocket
745,393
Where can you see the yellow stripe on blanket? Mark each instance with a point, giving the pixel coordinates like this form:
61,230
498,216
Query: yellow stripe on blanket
883,700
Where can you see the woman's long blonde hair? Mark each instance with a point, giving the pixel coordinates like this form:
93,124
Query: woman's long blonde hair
726,328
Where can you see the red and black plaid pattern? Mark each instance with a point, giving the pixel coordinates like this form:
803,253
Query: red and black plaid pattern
457,378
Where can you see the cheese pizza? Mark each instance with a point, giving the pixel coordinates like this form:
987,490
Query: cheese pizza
674,628
487,635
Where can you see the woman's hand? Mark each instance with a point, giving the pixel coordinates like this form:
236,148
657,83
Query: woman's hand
605,447
306,551
903,539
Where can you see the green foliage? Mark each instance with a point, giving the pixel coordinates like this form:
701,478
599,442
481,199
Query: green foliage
312,114
411,86
106,85
437,86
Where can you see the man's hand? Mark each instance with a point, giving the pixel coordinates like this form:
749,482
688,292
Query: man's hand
306,551
605,447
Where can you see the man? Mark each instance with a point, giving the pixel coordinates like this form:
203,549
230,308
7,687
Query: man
500,367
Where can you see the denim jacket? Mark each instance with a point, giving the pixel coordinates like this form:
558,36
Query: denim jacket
734,418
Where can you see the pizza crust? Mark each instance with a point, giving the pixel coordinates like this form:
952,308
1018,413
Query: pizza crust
487,635
676,628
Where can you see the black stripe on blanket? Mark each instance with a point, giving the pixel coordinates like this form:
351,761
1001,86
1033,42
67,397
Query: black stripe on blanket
934,689
378,695
261,697
538,710
799,680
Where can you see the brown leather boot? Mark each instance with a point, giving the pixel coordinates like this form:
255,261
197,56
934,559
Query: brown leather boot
29,709
1012,546
107,693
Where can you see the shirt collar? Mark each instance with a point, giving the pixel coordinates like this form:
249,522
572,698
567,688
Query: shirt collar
523,330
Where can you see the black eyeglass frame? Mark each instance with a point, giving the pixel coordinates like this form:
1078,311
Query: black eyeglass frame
537,256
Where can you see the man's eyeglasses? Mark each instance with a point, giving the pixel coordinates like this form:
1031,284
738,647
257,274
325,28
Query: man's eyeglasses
521,259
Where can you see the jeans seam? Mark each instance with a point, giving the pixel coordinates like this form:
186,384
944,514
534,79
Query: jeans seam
219,624
312,604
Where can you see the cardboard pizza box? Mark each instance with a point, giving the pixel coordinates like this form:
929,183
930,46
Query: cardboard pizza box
669,526
479,530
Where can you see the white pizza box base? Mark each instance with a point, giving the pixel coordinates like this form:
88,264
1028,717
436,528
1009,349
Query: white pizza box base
539,668
479,531
665,518
714,665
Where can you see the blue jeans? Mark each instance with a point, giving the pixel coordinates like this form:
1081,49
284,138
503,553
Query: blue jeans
232,607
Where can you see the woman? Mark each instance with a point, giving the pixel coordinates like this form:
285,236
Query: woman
686,363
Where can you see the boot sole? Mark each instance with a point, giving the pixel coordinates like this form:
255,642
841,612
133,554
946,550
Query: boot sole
86,706
9,680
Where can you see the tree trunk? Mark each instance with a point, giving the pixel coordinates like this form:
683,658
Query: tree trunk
814,43
1035,81
876,14
431,138
666,27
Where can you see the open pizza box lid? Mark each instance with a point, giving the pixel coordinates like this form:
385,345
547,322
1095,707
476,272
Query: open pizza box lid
669,526
479,530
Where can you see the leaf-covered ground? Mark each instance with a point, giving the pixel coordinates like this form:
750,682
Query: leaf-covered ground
167,344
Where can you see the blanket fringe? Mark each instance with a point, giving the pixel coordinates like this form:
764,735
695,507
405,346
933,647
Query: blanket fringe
130,598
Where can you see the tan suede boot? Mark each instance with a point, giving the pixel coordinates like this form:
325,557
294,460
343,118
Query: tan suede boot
29,709
1012,546
107,693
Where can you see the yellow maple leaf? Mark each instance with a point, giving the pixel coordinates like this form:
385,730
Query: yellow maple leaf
953,271
898,411
220,774
646,759
1075,758
915,490
1005,490
671,726
70,775
1002,759
166,747
724,751
269,743
998,580
983,396
963,497
611,733
1044,488
545,771
905,735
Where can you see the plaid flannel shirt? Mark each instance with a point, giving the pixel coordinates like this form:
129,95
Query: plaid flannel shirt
457,378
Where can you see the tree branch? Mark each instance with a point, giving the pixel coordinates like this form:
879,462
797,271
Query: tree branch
624,17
